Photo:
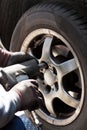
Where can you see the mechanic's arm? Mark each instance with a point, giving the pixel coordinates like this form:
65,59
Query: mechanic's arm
9,104
4,57
23,95
10,58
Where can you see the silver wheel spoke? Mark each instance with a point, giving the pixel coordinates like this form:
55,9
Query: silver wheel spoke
48,103
46,49
66,67
67,99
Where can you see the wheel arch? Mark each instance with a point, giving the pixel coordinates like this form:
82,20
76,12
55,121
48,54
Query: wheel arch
10,13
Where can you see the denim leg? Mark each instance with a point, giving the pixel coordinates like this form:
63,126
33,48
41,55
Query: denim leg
15,124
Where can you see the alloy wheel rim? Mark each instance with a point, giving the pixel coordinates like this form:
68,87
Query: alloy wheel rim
61,83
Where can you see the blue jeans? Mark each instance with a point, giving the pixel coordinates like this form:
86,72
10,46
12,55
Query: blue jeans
15,124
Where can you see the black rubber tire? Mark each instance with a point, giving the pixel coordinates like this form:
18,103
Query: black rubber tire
10,13
65,22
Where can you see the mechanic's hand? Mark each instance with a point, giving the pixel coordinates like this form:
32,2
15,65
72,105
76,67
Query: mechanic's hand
18,57
7,80
29,95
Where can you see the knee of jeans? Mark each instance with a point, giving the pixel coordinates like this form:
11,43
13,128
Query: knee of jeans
15,124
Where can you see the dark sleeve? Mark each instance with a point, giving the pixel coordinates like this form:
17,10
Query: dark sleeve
4,56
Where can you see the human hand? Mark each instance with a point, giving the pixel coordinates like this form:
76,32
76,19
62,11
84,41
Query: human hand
7,80
29,95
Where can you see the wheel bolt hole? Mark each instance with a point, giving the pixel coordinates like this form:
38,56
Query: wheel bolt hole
56,87
48,89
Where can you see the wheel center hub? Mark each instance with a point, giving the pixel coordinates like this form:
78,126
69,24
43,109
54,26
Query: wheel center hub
49,77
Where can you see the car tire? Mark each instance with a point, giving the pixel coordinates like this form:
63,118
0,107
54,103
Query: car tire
67,29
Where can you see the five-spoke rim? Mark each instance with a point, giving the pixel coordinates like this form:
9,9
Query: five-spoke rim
61,83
